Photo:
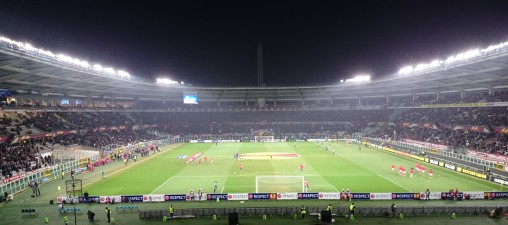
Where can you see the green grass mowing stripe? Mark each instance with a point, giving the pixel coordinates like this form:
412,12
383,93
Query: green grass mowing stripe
98,184
471,180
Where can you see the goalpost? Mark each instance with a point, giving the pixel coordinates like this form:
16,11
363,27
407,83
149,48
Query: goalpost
263,139
279,184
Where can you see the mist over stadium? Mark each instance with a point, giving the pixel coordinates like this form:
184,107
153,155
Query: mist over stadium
254,125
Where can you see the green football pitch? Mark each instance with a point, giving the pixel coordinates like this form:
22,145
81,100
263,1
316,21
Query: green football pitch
343,166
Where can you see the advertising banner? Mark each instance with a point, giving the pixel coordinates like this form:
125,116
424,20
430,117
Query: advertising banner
110,199
132,198
361,196
432,196
213,197
90,199
238,197
60,199
173,198
405,196
153,198
380,196
287,196
497,195
262,196
446,195
329,195
308,195
474,195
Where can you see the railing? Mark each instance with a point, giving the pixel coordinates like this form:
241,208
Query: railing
340,211
23,180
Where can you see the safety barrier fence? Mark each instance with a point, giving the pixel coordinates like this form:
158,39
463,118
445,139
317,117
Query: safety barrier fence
337,211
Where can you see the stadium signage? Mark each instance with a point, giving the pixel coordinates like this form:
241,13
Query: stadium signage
435,162
472,173
214,197
287,196
405,196
238,197
329,195
61,199
90,199
361,196
432,195
495,195
308,195
153,198
262,196
474,195
380,196
110,199
449,166
500,181
132,198
447,195
171,198
418,157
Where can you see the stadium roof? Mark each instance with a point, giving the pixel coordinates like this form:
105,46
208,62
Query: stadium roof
25,69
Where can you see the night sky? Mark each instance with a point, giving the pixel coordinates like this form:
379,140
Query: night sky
214,42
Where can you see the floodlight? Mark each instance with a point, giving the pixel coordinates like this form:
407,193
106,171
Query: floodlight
29,47
359,79
97,67
109,71
122,73
166,81
406,70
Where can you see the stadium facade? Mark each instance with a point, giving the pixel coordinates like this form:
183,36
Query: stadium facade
29,74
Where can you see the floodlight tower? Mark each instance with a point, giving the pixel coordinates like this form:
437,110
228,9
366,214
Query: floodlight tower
260,64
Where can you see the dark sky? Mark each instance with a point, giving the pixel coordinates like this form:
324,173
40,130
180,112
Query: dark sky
214,42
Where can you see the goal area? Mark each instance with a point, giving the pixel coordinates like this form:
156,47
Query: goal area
279,184
263,139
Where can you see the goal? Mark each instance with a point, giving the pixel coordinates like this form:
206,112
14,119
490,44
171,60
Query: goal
279,184
263,139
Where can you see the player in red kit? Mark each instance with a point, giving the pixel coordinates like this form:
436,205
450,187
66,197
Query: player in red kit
423,169
430,173
393,168
411,171
418,168
241,167
206,158
301,168
199,161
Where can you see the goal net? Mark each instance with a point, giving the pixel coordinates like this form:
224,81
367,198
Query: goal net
263,139
279,184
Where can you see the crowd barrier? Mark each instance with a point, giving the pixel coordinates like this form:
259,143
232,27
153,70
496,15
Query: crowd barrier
339,211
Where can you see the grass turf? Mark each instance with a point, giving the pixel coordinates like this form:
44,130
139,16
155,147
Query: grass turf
365,170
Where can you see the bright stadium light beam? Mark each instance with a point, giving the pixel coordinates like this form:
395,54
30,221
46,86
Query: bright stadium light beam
27,48
165,81
359,79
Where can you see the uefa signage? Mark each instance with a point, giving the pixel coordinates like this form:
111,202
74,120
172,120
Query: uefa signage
432,195
287,196
110,199
238,197
308,195
132,198
380,196
474,195
153,198
329,195
172,198
361,196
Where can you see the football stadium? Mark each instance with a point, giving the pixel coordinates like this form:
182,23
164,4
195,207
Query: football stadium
86,143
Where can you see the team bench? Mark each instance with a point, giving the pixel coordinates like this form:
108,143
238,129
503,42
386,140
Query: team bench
66,210
124,208
28,212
